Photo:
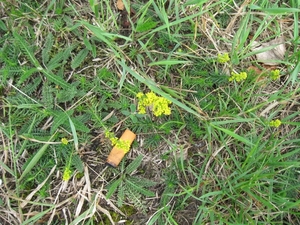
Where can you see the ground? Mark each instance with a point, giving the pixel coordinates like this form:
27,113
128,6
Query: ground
210,88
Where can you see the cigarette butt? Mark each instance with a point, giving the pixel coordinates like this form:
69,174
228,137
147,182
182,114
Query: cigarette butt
117,154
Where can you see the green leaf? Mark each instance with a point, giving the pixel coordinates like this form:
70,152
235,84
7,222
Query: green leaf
134,164
125,112
121,195
169,62
35,160
26,75
3,26
80,126
133,118
77,162
47,96
60,118
275,11
112,188
107,38
57,80
87,44
56,61
47,48
140,189
294,75
146,25
234,135
34,219
193,2
25,47
78,59
6,168
75,138
66,95
143,182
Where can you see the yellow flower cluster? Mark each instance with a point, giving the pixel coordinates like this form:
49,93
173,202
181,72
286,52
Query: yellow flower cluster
64,141
121,144
67,174
223,58
275,123
159,105
238,76
275,74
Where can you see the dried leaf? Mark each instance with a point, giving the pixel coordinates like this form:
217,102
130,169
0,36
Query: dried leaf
274,51
255,69
259,73
120,5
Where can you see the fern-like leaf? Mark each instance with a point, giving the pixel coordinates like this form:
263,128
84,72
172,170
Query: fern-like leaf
28,52
136,199
134,164
77,162
25,47
80,126
26,75
56,61
68,50
121,195
33,85
143,182
66,95
112,188
78,59
47,48
137,188
47,96
59,119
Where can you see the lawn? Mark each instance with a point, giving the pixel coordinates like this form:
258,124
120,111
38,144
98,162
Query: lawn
208,92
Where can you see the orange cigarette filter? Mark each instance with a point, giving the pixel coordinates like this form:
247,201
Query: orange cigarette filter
117,154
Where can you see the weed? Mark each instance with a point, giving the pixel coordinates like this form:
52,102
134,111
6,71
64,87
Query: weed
130,186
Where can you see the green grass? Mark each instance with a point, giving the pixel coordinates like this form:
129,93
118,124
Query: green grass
72,70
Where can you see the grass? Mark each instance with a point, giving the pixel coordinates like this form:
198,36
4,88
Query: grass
70,71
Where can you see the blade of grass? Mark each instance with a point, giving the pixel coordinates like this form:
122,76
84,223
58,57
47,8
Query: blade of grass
75,138
35,159
38,216
232,134
169,62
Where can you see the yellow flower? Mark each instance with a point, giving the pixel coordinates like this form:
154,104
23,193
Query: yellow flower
159,105
223,58
121,144
139,95
67,174
124,145
275,123
238,76
275,74
64,141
